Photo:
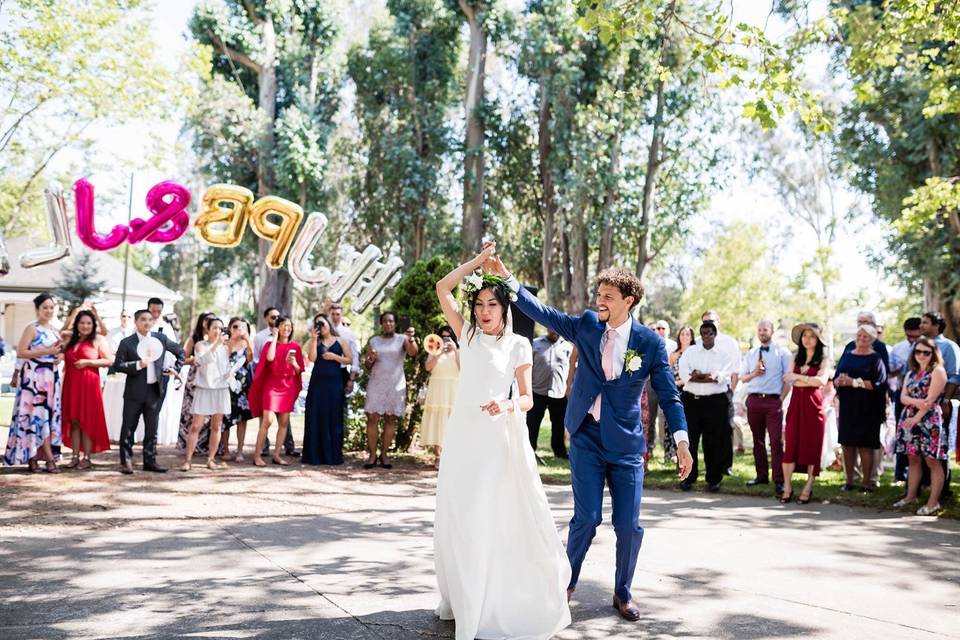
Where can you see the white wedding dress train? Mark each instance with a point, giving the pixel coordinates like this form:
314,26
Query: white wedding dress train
501,567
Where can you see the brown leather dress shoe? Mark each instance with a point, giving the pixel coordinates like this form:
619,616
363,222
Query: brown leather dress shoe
627,610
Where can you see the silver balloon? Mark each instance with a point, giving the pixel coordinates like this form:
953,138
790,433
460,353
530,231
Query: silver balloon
299,261
358,266
374,283
59,227
4,257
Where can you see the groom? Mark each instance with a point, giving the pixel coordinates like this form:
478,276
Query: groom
616,356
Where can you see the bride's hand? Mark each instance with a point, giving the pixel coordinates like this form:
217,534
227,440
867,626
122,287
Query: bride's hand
493,265
489,249
496,407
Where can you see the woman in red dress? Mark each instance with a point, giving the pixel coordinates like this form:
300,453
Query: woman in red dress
83,420
806,418
276,385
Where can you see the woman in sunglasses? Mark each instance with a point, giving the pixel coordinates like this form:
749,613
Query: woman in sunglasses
920,432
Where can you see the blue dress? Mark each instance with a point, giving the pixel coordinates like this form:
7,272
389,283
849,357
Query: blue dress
862,411
323,427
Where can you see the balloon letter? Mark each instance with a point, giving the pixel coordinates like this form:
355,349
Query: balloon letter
83,194
359,266
281,234
168,202
223,219
59,246
299,263
375,282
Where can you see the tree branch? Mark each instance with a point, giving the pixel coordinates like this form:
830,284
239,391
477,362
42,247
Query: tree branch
233,54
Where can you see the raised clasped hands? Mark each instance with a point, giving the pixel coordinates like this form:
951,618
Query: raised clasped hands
329,355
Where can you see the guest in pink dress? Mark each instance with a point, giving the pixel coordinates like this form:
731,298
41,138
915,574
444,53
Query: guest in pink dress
276,385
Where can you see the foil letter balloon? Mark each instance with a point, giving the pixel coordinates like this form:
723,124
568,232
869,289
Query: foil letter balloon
375,281
223,215
168,202
86,230
4,257
354,272
280,234
299,263
59,227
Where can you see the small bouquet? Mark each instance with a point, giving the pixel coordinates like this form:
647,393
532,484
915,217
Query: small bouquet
478,280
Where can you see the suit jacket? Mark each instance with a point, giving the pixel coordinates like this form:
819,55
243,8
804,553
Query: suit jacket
621,429
127,361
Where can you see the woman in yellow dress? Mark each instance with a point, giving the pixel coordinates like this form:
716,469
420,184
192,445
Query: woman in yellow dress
444,371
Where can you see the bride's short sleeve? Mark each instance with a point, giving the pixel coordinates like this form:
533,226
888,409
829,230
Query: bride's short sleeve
522,352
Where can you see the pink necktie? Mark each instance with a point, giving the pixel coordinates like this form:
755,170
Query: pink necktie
606,361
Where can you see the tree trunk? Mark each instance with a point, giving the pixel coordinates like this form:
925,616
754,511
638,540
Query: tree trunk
548,259
276,285
473,164
644,253
578,261
612,194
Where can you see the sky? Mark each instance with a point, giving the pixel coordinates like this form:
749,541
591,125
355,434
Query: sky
740,200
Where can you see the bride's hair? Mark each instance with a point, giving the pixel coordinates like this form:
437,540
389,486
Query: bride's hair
499,292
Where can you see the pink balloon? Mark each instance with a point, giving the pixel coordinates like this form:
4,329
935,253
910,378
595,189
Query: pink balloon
86,229
168,202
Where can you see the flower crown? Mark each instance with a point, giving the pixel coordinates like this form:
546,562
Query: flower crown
478,280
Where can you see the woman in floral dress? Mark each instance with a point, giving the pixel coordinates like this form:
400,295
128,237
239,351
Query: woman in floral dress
35,425
920,432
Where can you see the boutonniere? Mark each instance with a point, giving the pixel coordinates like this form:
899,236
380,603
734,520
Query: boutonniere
632,361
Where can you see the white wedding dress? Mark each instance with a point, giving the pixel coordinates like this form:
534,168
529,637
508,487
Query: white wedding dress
501,566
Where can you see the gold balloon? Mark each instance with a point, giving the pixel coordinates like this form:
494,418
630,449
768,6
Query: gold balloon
230,221
281,234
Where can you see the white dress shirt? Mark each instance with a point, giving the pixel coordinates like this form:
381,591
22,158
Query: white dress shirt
117,334
260,339
716,361
347,334
151,370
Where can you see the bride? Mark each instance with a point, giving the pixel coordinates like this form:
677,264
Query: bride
501,568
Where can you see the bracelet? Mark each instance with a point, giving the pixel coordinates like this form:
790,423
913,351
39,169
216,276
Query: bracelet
858,383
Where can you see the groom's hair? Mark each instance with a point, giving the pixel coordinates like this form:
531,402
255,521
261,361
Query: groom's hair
626,282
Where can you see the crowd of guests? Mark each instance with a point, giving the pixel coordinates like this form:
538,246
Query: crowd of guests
235,375
232,376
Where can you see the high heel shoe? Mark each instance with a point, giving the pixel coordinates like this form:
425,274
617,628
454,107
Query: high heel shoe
802,500
786,498
385,464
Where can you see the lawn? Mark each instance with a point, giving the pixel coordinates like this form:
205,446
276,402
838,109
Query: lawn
826,489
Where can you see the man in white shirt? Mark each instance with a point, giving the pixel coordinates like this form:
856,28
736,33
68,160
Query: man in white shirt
160,325
732,347
707,371
662,327
125,329
336,320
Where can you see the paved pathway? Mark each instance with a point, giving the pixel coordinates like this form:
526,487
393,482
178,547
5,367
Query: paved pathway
344,554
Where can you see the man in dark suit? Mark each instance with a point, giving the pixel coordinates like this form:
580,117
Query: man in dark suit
144,391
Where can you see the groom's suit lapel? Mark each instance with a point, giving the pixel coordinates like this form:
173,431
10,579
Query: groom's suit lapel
633,342
592,350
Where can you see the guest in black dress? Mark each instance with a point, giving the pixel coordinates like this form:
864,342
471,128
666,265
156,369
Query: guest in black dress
323,428
860,376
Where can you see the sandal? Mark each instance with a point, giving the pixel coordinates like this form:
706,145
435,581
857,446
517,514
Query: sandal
186,466
74,462
84,464
903,502
384,464
928,511
786,498
281,462
802,500
257,462
213,466
33,464
238,458
52,467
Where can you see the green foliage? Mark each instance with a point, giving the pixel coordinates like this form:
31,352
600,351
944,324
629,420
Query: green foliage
737,278
406,84
734,55
78,281
415,300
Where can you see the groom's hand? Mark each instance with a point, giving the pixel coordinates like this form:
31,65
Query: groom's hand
684,460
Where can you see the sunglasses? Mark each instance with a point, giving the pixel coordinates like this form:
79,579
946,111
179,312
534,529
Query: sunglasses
923,352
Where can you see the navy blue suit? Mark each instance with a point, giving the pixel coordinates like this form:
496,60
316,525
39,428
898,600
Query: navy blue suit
612,451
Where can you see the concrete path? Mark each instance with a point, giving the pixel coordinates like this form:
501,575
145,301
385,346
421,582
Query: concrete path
344,554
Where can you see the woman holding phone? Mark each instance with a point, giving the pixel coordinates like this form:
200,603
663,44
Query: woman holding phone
444,369
323,428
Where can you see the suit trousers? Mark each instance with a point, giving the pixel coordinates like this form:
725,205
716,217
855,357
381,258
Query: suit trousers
765,415
557,408
707,419
592,466
149,408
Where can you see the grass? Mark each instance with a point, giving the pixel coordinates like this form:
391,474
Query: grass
826,488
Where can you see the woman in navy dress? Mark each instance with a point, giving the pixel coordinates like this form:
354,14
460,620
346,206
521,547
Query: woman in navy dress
323,428
859,379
